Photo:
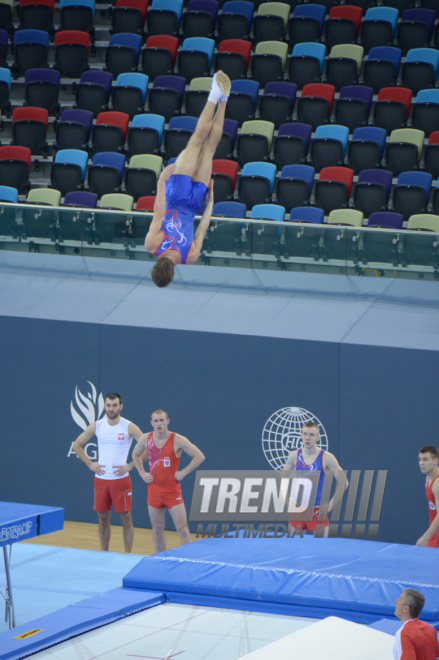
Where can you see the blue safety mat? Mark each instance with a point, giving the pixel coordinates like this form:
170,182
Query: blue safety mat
24,521
74,620
331,576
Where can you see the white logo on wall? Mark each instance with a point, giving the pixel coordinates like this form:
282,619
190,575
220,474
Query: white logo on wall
281,434
85,410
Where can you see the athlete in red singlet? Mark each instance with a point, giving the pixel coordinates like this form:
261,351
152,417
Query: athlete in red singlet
428,462
164,491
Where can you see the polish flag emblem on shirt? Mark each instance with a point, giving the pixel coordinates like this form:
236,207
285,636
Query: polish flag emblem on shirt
121,436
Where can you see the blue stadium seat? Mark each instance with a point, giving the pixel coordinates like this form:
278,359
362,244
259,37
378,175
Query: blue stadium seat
426,110
329,145
243,99
420,68
8,194
306,63
195,57
5,88
378,27
235,20
105,174
31,48
146,134
269,211
306,23
381,67
307,214
68,170
229,209
256,183
129,93
366,149
295,185
412,193
123,53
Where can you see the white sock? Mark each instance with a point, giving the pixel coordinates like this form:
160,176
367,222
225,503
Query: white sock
212,97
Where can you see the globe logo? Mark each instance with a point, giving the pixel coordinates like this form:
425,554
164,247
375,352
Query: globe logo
282,434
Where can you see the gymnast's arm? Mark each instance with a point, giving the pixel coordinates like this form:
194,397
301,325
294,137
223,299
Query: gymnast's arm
136,433
195,250
330,463
434,527
78,445
289,465
180,442
140,455
159,209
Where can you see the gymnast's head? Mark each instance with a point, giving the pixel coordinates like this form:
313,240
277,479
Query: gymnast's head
162,273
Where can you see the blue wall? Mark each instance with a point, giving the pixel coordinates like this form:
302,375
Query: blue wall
378,406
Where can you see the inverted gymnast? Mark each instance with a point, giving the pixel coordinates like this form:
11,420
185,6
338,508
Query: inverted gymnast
183,187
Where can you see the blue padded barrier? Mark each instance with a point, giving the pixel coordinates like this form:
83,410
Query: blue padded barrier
334,576
75,619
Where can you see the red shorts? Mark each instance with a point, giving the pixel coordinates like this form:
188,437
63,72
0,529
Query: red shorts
164,498
116,492
433,542
310,524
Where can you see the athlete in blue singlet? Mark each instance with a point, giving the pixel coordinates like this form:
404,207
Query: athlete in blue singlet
183,188
311,457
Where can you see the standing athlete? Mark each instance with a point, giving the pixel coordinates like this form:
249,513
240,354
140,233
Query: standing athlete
182,188
112,482
164,491
311,457
428,462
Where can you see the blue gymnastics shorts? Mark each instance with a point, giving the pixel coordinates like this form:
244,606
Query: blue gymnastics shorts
182,192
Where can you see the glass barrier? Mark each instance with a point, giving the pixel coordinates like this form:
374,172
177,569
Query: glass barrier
256,244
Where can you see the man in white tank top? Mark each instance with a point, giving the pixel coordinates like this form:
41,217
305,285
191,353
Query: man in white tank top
112,482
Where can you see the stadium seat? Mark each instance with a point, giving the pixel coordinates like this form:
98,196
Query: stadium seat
145,203
292,143
6,11
381,67
71,52
333,188
81,199
372,192
256,183
315,104
424,221
306,23
227,143
266,237
353,106
44,196
42,89
233,57
270,22
123,53
129,16
29,128
31,48
295,185
166,96
268,62
431,158
78,15
159,55
420,246
348,217
343,25
68,170
5,88
164,17
110,131
8,194
404,149
415,29
178,135
255,141
105,174
229,210
426,111
129,93
93,91
146,133
73,130
329,146
277,102
37,15
344,65
195,57
224,173
200,18
235,20
378,27
386,219
117,201
306,63
412,193
142,175
43,223
15,165
197,95
366,149
243,99
419,70
392,108
303,241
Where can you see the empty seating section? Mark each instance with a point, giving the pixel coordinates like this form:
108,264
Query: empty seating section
333,115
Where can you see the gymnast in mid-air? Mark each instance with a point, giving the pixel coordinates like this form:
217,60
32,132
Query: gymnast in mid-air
182,189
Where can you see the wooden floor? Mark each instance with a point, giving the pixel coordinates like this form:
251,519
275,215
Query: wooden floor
85,535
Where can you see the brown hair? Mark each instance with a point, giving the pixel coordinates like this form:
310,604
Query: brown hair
415,600
311,424
430,449
162,273
160,410
113,395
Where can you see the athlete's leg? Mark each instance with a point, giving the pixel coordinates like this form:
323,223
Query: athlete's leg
178,515
104,529
157,517
128,530
187,161
204,167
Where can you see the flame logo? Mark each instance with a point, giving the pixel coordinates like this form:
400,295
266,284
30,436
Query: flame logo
90,407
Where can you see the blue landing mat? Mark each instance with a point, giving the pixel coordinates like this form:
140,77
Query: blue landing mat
74,620
359,580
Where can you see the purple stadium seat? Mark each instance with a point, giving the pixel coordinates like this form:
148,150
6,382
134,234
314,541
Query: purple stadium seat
81,198
385,219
